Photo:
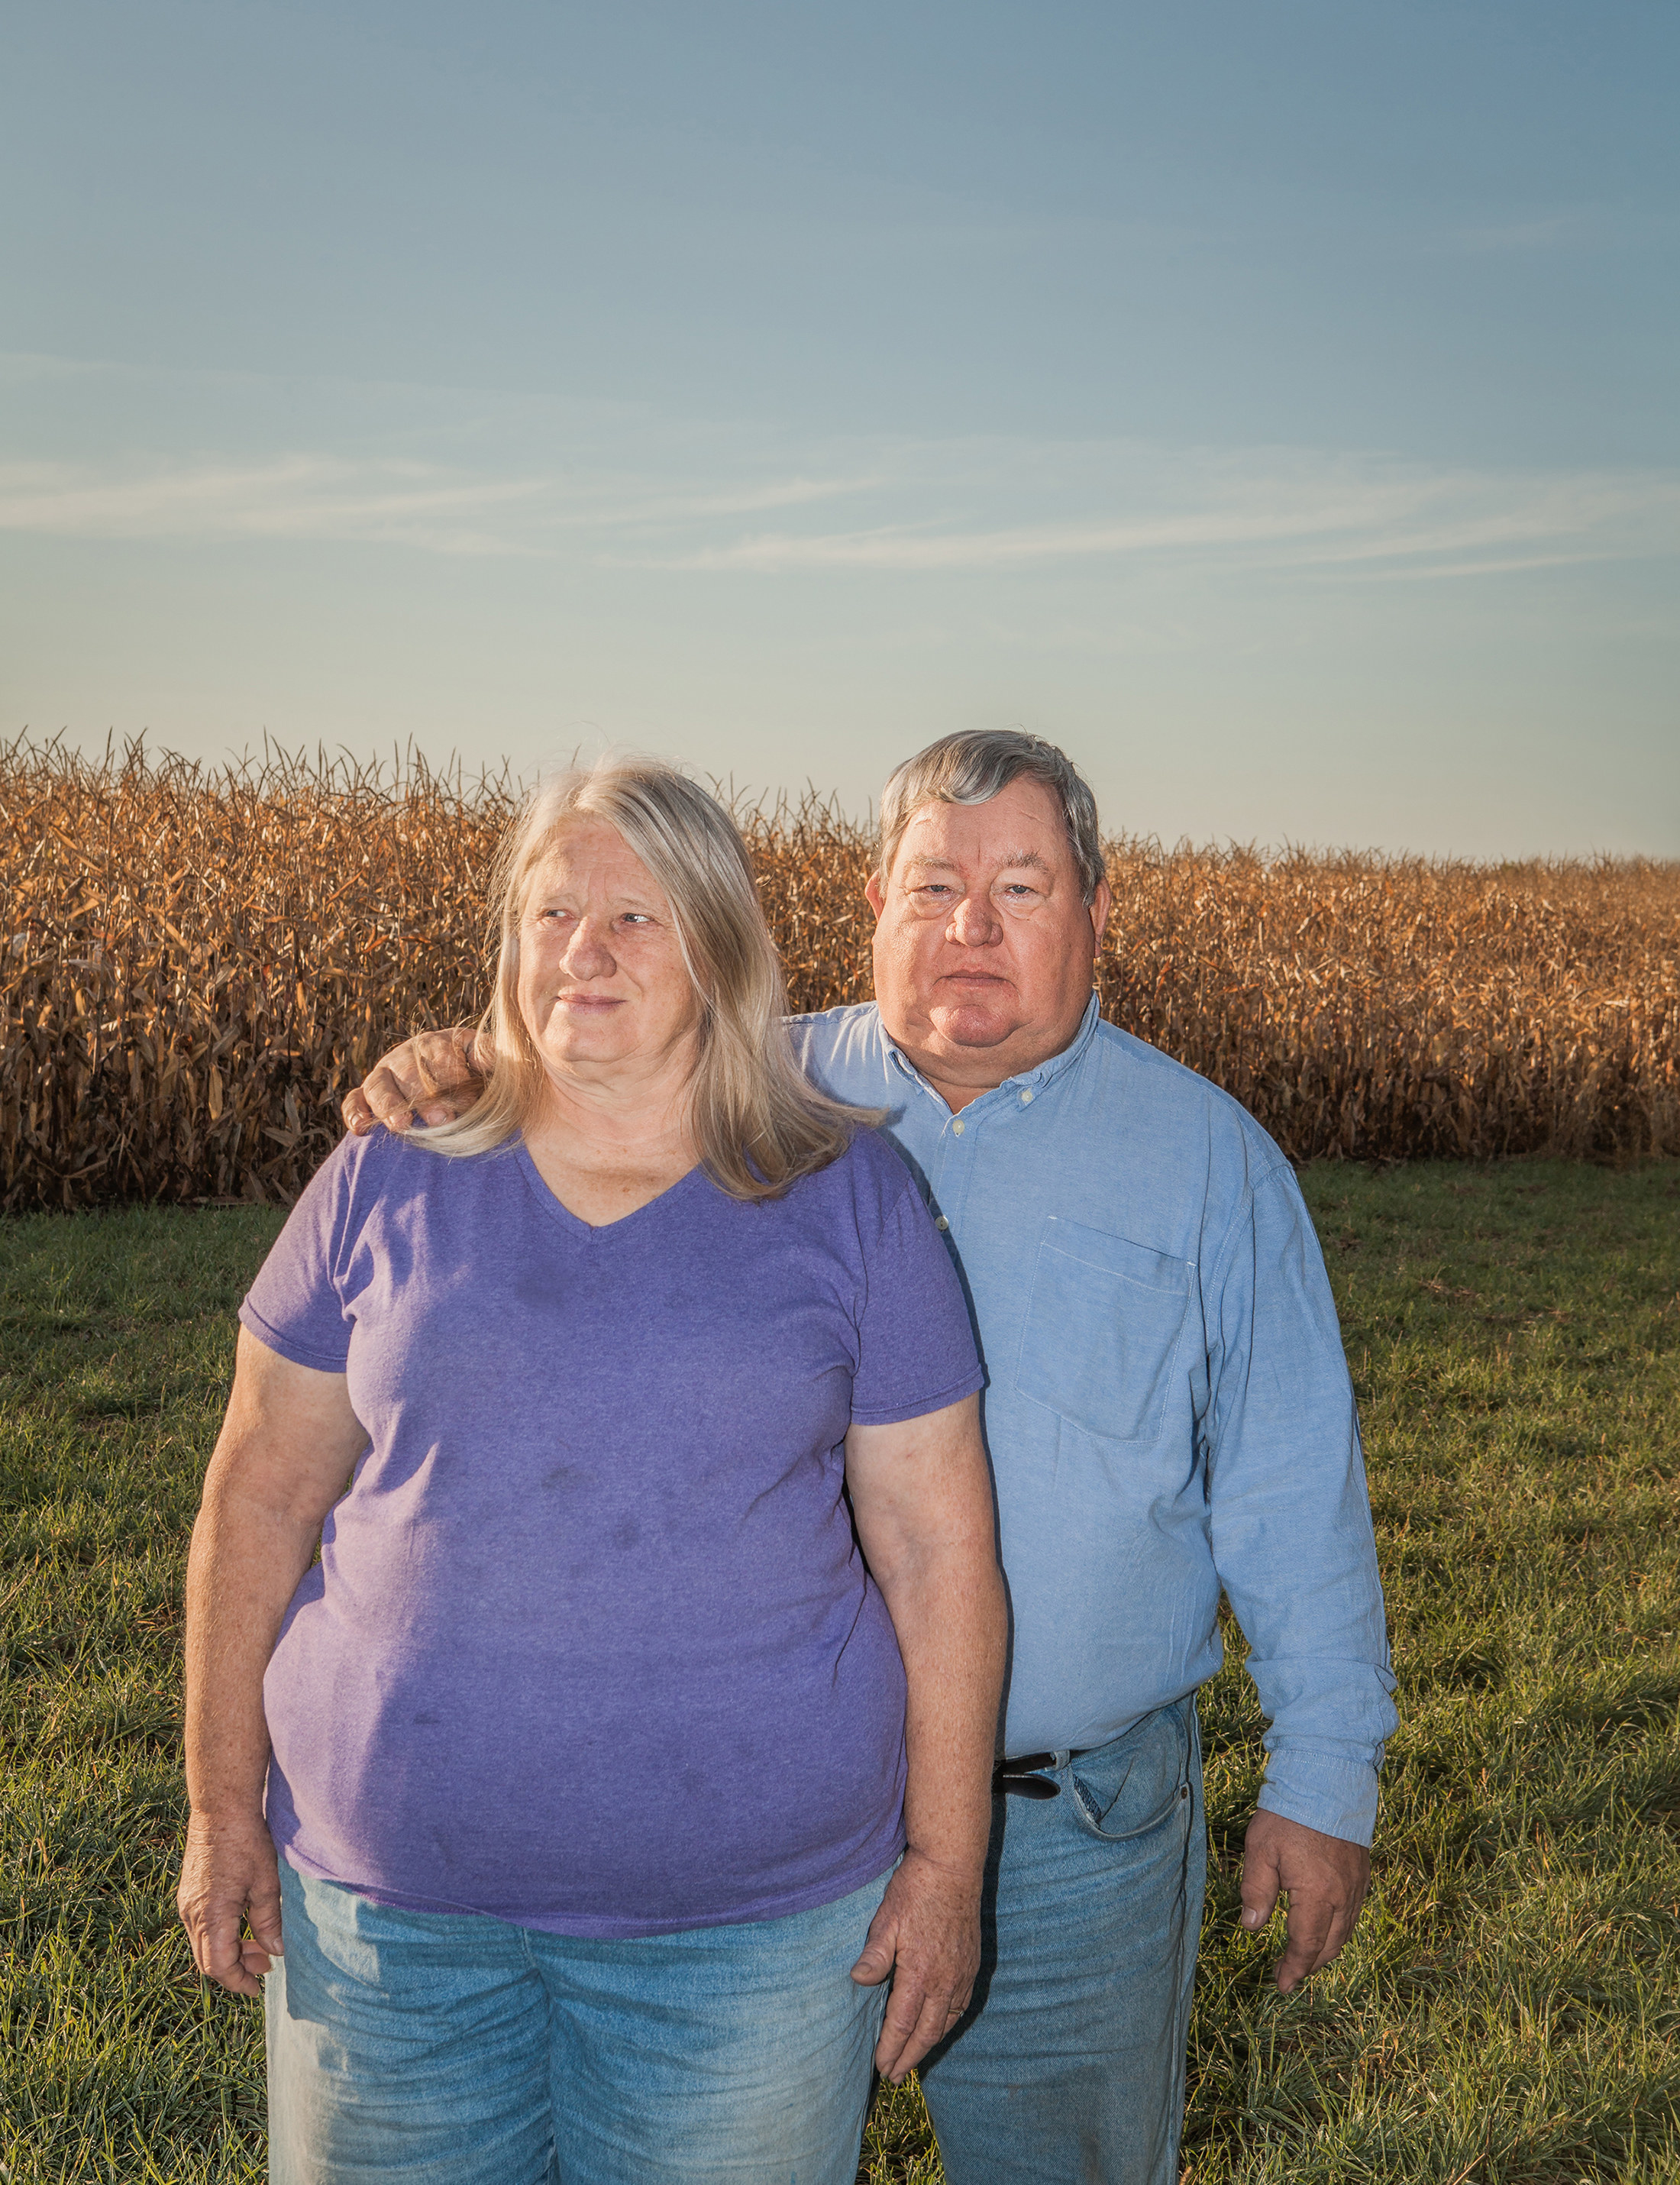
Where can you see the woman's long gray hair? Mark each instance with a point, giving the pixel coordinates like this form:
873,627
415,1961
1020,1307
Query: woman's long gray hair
758,1123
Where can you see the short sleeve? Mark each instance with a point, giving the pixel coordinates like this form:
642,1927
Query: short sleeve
294,1307
916,1348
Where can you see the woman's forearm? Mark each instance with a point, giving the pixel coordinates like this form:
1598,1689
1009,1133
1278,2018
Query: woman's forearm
244,1565
921,1499
280,1461
948,1611
286,1448
940,1582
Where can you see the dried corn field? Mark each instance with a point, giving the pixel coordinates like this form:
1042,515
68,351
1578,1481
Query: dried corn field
197,964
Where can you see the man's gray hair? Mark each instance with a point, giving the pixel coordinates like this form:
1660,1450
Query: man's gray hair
975,766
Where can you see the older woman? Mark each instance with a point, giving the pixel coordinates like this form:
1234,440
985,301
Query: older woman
636,1720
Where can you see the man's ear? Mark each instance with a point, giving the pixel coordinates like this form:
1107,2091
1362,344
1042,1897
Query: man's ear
1100,904
874,895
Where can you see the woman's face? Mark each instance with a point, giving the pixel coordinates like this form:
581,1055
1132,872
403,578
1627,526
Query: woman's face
601,978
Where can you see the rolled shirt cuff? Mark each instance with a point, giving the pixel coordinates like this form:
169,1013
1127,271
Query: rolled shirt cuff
1323,1791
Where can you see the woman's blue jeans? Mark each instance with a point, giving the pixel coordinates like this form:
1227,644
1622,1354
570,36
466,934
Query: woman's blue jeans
1069,2067
448,2050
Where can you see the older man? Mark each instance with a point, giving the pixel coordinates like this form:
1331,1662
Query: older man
1168,1415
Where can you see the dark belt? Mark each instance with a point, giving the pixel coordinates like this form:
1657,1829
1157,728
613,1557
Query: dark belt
1025,1778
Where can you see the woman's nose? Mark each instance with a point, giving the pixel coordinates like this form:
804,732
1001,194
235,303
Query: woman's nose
588,955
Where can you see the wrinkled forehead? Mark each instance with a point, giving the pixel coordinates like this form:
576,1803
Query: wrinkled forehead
1022,825
587,855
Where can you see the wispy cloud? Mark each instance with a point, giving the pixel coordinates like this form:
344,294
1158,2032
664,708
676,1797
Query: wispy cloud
293,497
428,506
925,509
1304,515
1020,546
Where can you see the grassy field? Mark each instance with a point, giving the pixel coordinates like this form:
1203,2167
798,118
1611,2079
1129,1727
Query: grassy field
1511,2007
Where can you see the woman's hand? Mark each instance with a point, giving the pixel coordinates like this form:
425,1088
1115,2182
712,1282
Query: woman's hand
231,1876
927,1936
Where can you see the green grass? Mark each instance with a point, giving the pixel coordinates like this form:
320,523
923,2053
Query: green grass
1509,2009
1510,2006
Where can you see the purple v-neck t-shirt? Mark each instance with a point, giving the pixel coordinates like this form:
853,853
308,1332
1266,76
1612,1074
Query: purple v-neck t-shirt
590,1647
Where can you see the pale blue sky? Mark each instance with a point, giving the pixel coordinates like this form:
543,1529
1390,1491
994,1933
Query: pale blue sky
1274,404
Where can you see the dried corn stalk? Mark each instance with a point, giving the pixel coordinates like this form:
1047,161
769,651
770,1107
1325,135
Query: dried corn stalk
197,964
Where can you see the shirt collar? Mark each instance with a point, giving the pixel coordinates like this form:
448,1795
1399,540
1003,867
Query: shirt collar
1026,1079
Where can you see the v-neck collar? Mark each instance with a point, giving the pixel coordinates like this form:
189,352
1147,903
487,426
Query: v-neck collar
574,1224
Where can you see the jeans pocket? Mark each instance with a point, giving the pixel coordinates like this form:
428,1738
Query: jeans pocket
1103,1330
1135,1783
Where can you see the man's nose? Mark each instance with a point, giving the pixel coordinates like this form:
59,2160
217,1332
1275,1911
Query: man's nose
973,923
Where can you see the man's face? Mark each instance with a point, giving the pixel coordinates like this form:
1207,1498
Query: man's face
983,949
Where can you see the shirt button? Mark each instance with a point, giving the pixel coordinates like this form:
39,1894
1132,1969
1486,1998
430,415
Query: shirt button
1026,1099
940,1222
957,1130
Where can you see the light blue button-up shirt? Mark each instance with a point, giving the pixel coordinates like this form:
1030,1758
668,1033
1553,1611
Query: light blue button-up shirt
1166,1406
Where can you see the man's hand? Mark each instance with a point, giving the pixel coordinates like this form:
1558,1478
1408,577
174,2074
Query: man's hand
436,1075
927,1935
230,1874
1326,1880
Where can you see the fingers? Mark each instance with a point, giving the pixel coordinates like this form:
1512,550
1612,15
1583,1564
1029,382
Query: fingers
262,1917
432,1076
218,1952
1318,1928
875,1962
441,1062
256,1962
445,1107
915,2022
449,1081
385,1098
1308,1944
1326,1880
903,2013
228,1880
932,1956
1261,1884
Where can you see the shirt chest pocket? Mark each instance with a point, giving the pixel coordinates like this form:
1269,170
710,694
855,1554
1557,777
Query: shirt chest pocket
1104,1323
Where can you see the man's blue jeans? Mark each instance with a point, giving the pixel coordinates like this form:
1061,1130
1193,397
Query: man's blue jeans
1069,2067
447,2050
